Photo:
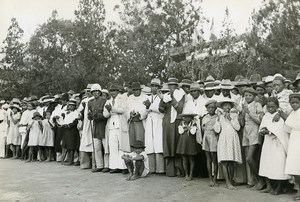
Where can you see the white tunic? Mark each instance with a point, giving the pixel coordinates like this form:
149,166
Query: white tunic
153,127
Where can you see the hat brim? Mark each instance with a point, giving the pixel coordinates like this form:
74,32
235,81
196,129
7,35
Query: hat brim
295,95
154,84
227,87
210,88
295,82
173,83
37,116
219,104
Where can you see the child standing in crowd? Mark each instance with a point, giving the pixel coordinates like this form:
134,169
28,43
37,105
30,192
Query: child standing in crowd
187,144
252,113
293,157
13,137
210,141
35,129
137,161
229,149
47,139
274,149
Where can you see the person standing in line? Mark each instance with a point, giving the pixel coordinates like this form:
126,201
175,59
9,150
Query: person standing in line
95,114
153,129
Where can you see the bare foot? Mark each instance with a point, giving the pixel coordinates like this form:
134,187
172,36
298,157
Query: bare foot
48,160
27,161
266,190
134,177
189,178
186,177
129,177
259,186
230,187
211,183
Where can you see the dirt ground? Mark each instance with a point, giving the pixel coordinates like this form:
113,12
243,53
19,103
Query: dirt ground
37,181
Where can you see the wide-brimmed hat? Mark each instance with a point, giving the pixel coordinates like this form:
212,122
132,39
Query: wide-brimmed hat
17,106
226,84
89,86
155,82
210,102
287,81
209,86
195,87
96,87
105,91
250,90
5,106
16,101
186,82
72,92
165,88
243,82
269,79
173,81
136,86
254,78
138,144
260,84
209,78
294,95
33,98
2,102
36,114
48,99
225,100
297,79
146,90
114,87
72,101
200,82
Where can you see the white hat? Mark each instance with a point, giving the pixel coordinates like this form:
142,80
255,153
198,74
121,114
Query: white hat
226,84
155,81
2,102
96,87
269,79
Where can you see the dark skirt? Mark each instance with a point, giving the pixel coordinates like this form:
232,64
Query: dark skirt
71,138
187,144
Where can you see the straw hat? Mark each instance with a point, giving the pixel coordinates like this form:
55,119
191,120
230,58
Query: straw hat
209,78
226,84
250,90
96,87
210,102
146,90
225,100
254,78
195,87
210,86
165,88
173,81
36,114
136,86
72,101
155,82
17,106
186,82
269,79
243,82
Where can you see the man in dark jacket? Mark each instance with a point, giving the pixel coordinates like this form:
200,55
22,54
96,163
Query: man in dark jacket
95,113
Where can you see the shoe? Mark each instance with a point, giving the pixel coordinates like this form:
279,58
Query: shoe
76,163
105,170
97,170
114,171
125,172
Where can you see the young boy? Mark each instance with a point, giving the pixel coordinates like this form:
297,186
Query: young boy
137,161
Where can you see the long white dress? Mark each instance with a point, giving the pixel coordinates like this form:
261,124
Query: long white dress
35,133
229,148
3,131
13,136
293,157
274,149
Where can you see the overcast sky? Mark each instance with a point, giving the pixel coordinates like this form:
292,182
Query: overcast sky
31,13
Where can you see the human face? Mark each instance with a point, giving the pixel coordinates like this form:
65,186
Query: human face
172,87
209,93
138,150
298,85
186,89
225,92
260,90
48,115
114,93
15,110
137,92
195,93
63,102
29,106
71,107
96,94
271,107
269,87
105,95
227,107
278,85
234,91
154,89
218,91
211,108
249,97
295,103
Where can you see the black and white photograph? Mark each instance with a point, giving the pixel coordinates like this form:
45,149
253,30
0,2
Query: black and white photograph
149,100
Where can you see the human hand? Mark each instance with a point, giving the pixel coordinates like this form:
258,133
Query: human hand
147,103
108,107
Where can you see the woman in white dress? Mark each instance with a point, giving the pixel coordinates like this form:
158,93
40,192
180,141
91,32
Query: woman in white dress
293,157
13,136
274,149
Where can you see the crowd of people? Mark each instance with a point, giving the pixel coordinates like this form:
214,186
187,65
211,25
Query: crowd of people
248,128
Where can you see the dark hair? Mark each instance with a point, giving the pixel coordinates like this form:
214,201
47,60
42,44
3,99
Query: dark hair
274,100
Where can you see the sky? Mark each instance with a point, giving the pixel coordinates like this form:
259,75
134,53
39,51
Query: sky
31,13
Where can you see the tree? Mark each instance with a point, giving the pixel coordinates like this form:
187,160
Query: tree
12,65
